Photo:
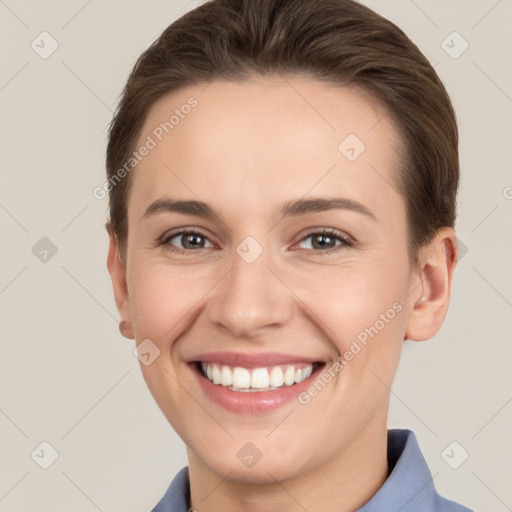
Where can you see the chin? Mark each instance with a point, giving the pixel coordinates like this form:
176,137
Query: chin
242,461
266,470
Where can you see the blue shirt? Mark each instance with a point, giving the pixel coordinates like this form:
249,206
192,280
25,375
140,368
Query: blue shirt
408,488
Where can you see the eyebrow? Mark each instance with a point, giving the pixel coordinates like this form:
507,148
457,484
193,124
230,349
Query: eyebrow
291,208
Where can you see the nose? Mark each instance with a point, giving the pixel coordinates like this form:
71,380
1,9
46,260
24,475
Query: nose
250,299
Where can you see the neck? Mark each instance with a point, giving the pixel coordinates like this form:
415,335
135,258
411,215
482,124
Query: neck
344,483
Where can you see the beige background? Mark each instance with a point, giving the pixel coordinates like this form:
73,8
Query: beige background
70,379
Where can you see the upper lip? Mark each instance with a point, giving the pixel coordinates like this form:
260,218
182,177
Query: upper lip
252,360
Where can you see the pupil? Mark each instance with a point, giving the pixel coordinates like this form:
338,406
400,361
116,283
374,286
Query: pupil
322,244
191,237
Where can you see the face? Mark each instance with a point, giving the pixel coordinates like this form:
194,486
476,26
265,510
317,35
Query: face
267,247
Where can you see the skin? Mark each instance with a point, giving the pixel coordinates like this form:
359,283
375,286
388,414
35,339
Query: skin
245,150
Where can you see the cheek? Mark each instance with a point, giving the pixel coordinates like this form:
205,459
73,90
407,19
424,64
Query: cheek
359,302
364,311
162,297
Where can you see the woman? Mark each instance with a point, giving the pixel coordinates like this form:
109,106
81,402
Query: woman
282,180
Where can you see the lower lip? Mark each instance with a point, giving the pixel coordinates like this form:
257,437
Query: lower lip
258,402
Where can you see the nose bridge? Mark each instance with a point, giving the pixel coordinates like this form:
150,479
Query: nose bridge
249,297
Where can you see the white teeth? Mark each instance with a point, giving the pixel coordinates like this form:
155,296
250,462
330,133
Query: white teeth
215,374
306,372
260,378
241,377
226,378
289,376
257,379
276,377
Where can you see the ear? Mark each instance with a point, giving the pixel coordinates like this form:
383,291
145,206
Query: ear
117,270
431,286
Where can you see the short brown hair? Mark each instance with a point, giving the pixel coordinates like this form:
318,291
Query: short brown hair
338,41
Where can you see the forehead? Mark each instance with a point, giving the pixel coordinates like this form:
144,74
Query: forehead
266,139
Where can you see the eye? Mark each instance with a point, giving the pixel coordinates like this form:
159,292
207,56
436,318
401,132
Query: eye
325,240
190,240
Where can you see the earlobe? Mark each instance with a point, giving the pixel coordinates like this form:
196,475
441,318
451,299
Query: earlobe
117,270
431,290
125,328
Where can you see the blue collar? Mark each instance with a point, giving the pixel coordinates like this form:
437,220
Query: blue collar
408,488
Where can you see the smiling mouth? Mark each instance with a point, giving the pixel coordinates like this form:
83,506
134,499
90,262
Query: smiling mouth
254,380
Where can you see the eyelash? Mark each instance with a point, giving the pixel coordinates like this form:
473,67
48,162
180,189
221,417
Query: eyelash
346,242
